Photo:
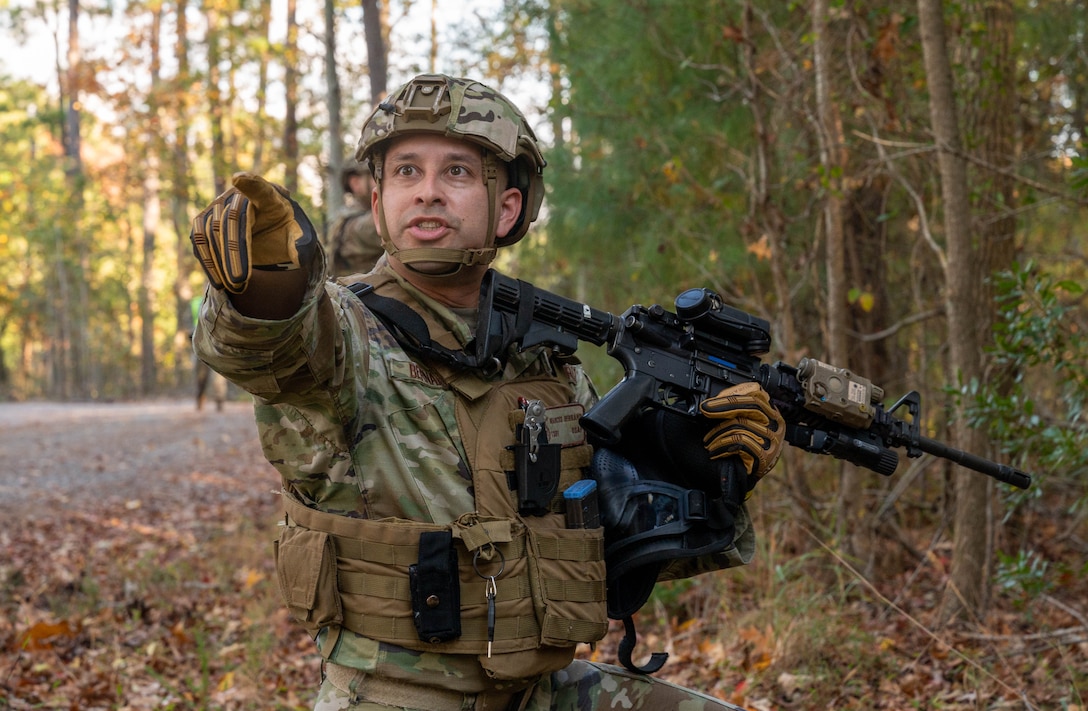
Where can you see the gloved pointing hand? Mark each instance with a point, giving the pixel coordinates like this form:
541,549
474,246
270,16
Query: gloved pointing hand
748,427
255,223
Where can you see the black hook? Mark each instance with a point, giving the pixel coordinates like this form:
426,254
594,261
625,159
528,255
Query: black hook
627,645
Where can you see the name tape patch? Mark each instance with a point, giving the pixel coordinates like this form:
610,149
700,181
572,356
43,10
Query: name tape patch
562,424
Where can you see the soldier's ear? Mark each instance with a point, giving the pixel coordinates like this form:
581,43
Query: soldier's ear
375,210
510,201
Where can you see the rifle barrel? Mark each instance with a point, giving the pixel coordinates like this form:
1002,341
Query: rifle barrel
1002,472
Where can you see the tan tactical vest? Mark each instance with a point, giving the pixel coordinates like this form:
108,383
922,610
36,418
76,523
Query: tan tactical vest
549,581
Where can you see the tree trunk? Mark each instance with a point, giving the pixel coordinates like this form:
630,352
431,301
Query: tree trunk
851,506
829,136
290,87
72,139
376,31
334,191
73,373
215,102
179,202
969,584
152,213
262,90
558,108
434,36
991,122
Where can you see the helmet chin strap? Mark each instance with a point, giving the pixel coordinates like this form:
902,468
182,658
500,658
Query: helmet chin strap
458,259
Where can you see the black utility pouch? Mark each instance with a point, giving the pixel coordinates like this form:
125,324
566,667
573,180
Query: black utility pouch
436,591
537,475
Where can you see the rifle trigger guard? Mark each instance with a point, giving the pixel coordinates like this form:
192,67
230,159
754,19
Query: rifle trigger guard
491,367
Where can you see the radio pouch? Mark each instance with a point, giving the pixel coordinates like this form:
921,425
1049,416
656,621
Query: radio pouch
435,589
537,475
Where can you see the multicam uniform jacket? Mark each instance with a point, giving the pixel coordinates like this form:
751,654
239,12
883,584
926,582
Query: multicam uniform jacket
361,430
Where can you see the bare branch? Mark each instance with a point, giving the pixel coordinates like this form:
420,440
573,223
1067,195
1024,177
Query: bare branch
896,327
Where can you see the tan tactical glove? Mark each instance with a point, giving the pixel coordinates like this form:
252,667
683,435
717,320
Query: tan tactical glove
254,224
748,427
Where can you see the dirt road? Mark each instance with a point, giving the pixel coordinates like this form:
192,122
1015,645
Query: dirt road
95,456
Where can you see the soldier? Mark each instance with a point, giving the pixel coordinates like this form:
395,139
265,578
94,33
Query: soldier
404,552
206,378
352,244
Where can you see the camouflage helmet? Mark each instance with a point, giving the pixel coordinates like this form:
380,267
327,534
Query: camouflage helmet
467,110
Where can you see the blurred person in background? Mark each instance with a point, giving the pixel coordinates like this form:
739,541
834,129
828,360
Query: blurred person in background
352,244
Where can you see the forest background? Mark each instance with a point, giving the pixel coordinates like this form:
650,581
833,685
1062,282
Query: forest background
899,190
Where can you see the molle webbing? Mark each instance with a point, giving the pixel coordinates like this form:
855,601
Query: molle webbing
372,559
551,592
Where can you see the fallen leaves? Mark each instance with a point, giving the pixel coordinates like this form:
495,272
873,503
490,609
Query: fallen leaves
41,635
150,607
759,650
802,647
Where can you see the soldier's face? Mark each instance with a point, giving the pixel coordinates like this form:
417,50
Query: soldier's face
434,195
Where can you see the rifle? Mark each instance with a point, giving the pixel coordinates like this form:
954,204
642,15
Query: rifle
675,361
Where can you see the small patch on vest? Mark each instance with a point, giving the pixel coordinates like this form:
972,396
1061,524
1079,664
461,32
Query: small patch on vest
562,424
407,370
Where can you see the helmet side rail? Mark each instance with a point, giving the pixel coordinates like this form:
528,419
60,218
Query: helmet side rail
676,360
